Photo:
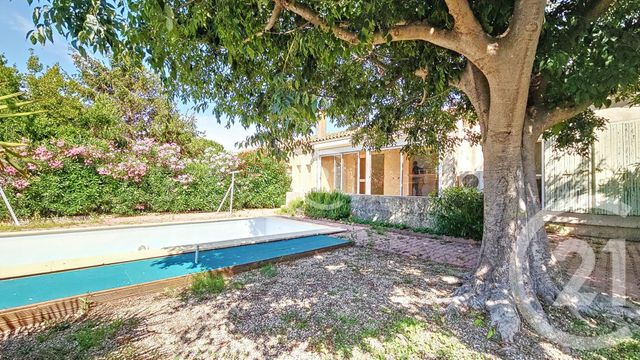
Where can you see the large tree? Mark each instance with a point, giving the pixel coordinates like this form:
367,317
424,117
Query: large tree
393,68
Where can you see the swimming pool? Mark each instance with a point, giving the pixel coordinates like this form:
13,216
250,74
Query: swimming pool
40,288
48,251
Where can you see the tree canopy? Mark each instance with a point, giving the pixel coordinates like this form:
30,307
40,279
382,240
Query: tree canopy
274,64
119,102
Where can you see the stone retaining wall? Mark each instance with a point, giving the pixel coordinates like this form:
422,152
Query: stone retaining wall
408,210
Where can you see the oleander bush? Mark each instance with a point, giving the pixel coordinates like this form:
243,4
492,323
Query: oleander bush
458,211
67,180
110,141
327,205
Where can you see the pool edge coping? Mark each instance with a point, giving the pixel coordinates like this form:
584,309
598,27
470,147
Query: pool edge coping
26,316
89,262
129,226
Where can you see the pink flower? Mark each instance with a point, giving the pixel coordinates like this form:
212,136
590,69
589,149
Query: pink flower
55,164
76,151
143,146
184,179
176,165
20,184
32,167
42,153
131,169
60,143
104,171
10,170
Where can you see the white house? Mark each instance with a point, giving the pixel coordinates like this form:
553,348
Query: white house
608,182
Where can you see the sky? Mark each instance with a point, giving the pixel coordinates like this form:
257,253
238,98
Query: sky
15,17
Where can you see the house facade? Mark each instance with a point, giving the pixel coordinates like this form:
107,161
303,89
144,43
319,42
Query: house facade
607,182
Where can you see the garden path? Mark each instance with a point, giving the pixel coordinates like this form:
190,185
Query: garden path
465,253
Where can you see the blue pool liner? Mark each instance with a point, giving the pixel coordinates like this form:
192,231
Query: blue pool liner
39,288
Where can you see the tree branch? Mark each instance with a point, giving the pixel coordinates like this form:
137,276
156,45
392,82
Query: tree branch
470,46
596,9
527,19
544,119
275,14
475,85
309,15
464,19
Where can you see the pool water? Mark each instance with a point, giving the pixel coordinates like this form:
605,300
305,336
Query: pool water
62,247
39,288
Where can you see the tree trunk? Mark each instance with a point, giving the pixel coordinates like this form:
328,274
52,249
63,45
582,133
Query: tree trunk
506,273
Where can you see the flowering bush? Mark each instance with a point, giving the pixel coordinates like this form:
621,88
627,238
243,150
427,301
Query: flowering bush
143,175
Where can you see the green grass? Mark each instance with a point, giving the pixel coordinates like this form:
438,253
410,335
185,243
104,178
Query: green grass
269,271
205,283
295,318
403,337
627,350
85,340
93,334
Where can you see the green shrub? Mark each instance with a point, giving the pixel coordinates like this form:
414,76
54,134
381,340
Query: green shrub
78,189
292,208
262,182
206,283
458,211
327,205
74,190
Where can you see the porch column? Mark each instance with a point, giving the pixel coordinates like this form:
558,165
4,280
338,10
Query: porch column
447,169
401,174
367,178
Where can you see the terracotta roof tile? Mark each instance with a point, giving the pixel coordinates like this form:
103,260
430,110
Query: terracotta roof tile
332,136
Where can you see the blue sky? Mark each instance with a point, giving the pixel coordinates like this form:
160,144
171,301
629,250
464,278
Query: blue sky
15,16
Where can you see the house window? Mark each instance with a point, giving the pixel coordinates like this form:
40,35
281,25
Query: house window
420,175
331,173
377,174
385,172
350,173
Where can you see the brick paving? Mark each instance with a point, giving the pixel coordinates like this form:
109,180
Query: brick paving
601,276
465,253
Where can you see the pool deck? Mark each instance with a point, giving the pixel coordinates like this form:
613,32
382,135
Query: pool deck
24,317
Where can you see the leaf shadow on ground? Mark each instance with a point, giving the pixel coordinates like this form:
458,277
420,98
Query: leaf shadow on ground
352,302
99,335
355,302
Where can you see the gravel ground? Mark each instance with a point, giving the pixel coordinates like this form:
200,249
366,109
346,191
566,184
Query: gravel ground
363,302
354,302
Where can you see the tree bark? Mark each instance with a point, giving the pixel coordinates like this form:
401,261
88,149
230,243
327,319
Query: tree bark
511,205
